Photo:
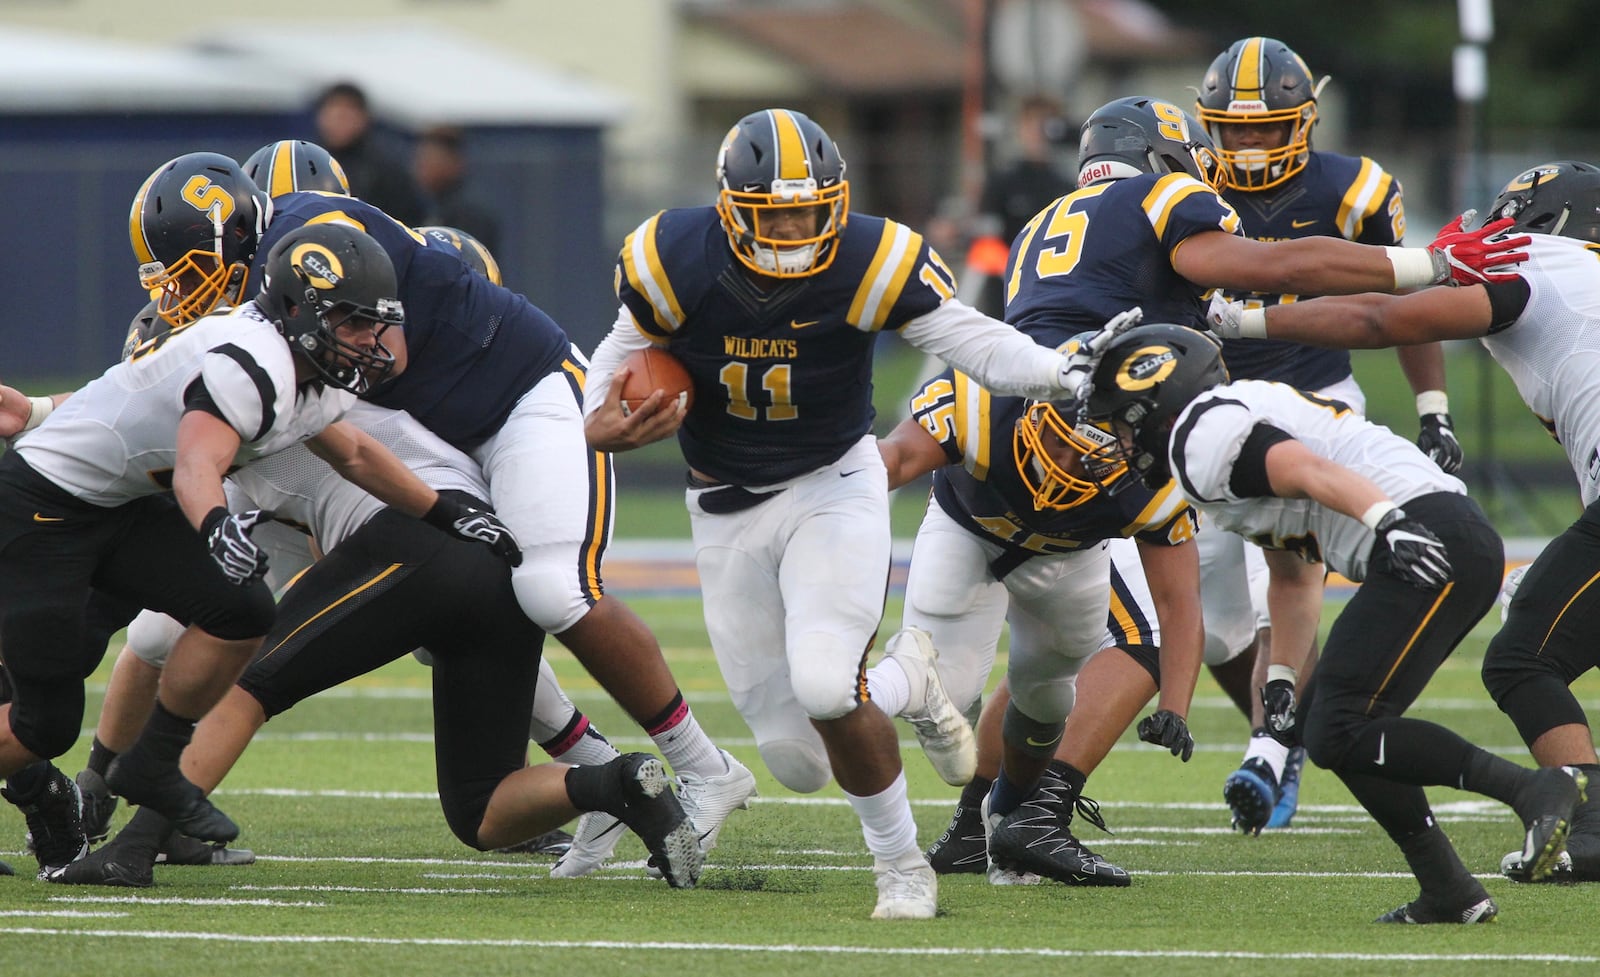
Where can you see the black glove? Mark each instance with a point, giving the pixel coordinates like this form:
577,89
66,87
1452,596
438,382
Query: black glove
1166,728
1416,555
228,537
1437,439
462,516
1278,699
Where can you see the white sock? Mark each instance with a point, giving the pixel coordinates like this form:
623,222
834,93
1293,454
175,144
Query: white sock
590,748
1270,750
886,821
889,687
687,748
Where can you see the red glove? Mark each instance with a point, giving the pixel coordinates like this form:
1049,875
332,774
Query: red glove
1471,258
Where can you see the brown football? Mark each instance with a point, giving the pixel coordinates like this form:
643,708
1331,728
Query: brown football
655,369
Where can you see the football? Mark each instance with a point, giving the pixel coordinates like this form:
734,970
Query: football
655,369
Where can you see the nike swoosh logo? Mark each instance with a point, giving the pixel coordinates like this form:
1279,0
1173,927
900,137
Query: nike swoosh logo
1383,741
797,324
40,517
1298,224
1049,742
852,472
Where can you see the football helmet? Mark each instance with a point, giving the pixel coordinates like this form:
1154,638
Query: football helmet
1144,379
1037,441
1260,81
317,278
1140,134
291,165
774,165
1561,198
194,226
145,326
472,250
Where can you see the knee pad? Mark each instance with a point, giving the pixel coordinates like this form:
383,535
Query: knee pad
151,637
798,765
465,817
826,683
48,716
1328,739
547,588
1035,738
249,614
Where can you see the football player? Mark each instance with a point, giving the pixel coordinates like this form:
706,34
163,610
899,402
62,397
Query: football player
1543,326
416,586
1017,530
1314,484
105,493
289,165
1258,101
1148,228
773,300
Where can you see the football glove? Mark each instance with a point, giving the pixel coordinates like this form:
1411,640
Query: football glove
1463,257
1416,555
1437,439
1277,698
462,516
1225,318
228,537
1166,728
1077,367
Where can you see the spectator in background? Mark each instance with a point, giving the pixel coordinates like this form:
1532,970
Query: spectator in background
1013,194
440,167
377,173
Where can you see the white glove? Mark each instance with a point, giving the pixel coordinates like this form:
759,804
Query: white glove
1077,367
1225,318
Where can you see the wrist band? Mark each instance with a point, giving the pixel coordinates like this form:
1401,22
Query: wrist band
1433,402
1283,673
1253,324
1413,267
39,409
1376,512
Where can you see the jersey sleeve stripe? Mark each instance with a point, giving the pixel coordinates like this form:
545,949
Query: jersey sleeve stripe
1180,443
1168,192
1363,198
972,425
886,276
641,262
1167,503
263,384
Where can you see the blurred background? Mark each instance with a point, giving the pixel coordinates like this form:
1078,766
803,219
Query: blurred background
558,126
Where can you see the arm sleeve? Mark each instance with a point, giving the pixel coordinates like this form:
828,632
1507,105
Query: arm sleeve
623,339
999,357
1506,302
1249,479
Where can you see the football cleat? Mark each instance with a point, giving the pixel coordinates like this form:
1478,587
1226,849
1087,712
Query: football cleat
1512,868
1546,807
1421,911
1036,838
110,865
145,781
961,849
181,849
99,803
907,888
6,869
709,800
942,730
1251,793
651,810
1288,789
55,821
593,843
550,843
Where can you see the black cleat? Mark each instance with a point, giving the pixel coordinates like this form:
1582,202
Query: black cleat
170,794
555,843
55,821
111,865
1037,838
649,807
1422,911
1546,807
6,869
961,849
1252,794
184,850
99,803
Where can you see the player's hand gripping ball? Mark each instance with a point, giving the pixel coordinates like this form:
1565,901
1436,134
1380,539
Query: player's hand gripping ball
653,369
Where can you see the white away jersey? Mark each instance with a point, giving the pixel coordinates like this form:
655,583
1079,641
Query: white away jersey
1552,350
1211,431
297,486
116,439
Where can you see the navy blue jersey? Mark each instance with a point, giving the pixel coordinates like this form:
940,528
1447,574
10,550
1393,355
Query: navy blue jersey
1334,196
982,489
782,368
1108,247
473,347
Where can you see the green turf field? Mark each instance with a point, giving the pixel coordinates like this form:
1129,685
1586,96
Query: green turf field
359,875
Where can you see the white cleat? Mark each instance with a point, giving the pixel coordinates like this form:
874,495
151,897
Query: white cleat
709,800
907,888
592,844
943,731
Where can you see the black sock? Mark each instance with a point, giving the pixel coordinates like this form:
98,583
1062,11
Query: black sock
145,834
1493,776
594,787
166,734
25,786
100,757
1069,775
1438,868
972,794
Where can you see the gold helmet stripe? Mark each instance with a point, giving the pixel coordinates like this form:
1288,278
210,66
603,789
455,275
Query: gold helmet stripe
280,171
792,163
142,251
1247,73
